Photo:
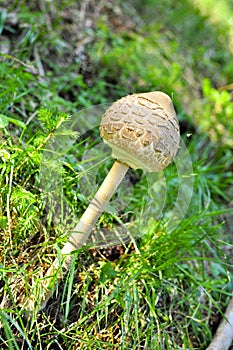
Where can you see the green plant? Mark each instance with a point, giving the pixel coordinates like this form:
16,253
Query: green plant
217,114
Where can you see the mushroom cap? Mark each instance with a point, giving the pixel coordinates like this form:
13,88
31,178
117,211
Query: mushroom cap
142,130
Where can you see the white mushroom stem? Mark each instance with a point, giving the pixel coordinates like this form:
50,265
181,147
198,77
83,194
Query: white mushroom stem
81,232
143,132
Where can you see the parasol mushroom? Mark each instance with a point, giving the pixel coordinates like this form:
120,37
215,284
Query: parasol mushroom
143,132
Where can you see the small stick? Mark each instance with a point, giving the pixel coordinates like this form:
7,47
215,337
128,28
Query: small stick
222,339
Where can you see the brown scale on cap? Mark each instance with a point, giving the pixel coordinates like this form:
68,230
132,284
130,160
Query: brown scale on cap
142,130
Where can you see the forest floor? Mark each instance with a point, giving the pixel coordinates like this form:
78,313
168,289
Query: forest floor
162,289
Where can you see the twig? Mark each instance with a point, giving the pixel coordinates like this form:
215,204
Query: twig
38,62
226,87
28,67
223,337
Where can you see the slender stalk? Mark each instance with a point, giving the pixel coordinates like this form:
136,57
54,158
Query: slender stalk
222,339
81,232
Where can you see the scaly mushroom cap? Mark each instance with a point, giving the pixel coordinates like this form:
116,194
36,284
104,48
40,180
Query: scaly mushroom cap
142,130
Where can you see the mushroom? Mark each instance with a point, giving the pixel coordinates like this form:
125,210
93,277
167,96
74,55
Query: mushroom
143,132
